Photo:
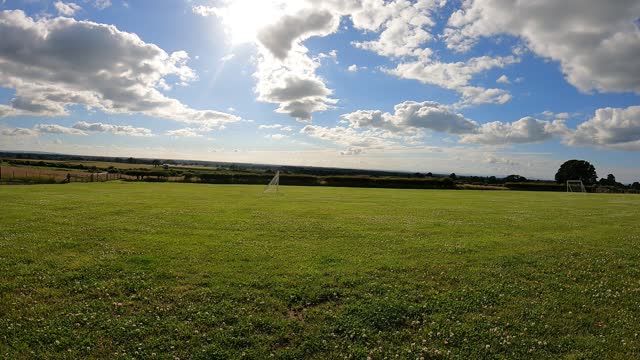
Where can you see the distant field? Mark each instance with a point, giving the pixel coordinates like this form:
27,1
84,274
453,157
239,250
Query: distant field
160,270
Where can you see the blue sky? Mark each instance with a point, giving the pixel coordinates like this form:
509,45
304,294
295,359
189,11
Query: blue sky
479,87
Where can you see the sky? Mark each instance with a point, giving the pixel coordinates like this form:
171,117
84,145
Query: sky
475,87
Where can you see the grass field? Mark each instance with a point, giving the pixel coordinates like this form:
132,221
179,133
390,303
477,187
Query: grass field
140,270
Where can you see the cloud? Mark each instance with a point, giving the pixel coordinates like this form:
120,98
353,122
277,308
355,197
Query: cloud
17,133
185,133
280,37
427,115
293,87
277,136
287,75
596,42
524,131
113,129
352,152
615,128
352,68
203,10
57,129
404,29
276,126
100,4
54,63
457,76
333,55
404,26
67,9
503,80
293,84
346,136
80,128
410,118
561,116
227,58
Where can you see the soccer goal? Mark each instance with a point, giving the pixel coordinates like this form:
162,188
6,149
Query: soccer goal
273,185
575,186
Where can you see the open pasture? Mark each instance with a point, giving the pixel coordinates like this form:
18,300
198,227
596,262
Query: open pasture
158,270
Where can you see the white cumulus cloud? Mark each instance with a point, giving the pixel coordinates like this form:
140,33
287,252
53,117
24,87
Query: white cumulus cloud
54,63
615,128
184,133
457,76
67,9
113,129
57,129
597,43
503,80
524,131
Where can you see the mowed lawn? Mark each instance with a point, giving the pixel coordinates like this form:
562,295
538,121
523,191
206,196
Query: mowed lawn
142,270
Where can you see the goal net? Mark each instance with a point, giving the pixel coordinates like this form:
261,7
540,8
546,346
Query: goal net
273,185
575,186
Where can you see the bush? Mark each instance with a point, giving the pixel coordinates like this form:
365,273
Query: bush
339,181
390,182
535,186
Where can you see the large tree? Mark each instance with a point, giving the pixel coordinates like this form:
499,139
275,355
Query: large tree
577,170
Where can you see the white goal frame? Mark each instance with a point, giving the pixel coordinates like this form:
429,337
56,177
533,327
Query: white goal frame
571,183
273,185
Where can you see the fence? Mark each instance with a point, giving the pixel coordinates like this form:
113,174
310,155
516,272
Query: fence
93,177
16,174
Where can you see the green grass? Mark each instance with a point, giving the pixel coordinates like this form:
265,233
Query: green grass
139,270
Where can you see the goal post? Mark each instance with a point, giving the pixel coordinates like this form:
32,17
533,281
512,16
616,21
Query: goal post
273,185
575,186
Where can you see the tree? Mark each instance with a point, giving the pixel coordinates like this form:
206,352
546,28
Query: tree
635,185
577,170
155,163
515,178
453,176
610,181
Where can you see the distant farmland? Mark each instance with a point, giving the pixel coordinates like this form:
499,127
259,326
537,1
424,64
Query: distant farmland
165,270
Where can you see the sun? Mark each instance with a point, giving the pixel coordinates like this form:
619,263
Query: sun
243,19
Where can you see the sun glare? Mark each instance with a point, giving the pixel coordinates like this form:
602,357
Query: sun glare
244,18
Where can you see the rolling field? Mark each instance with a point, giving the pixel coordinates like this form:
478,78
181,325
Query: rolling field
153,270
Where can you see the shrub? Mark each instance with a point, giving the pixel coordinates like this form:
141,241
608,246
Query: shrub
535,186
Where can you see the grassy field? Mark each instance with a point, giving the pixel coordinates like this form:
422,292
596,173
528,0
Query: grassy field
140,270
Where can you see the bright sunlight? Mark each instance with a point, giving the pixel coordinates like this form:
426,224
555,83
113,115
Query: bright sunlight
244,18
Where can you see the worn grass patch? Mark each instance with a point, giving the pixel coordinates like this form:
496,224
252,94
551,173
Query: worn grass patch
140,270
